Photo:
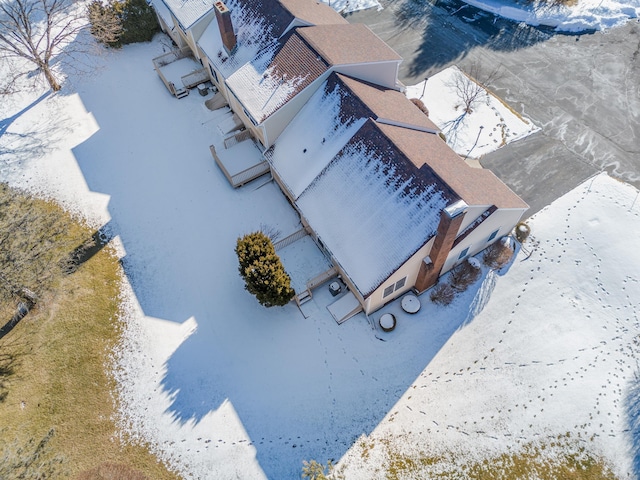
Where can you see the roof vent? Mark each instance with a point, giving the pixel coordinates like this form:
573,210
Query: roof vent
223,15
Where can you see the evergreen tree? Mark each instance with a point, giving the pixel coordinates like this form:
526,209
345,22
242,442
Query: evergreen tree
120,22
262,270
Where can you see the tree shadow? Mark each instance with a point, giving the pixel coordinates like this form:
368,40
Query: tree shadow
444,31
9,362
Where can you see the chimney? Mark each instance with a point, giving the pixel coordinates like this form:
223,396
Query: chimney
223,15
450,221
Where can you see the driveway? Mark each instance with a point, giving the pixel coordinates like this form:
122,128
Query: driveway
583,91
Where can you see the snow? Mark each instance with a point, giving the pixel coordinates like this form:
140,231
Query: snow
260,89
553,351
220,387
584,16
491,124
301,153
252,33
174,71
348,6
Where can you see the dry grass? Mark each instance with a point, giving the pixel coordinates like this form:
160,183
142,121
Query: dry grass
58,378
558,459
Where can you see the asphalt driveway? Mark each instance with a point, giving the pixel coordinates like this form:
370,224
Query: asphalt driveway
582,90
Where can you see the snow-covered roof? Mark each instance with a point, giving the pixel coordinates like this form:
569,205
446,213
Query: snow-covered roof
162,10
301,152
188,12
276,75
257,26
373,208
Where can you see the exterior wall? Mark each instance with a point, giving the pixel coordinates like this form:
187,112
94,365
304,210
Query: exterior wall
198,29
410,270
280,119
238,109
381,73
472,213
502,220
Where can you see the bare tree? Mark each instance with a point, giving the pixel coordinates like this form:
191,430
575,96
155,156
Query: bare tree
35,242
471,86
40,32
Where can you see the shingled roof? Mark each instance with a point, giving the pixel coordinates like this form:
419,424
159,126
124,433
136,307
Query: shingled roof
474,186
272,79
348,44
313,12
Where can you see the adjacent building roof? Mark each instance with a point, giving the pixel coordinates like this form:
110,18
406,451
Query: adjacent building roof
258,26
313,12
373,208
188,12
276,75
348,44
388,105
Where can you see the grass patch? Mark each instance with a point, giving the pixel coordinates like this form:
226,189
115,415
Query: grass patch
557,459
53,379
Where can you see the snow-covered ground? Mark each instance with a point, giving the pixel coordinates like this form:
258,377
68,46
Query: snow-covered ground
584,15
490,125
222,388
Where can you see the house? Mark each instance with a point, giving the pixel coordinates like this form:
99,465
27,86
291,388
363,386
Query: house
390,203
276,54
377,187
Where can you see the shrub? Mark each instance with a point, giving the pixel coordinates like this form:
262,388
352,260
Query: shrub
522,232
262,270
420,104
498,254
465,274
442,294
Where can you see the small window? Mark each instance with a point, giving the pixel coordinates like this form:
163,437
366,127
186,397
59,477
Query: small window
250,117
214,74
388,291
463,253
493,235
400,283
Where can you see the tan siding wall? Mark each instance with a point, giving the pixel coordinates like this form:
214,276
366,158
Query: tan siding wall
410,270
275,124
502,220
382,73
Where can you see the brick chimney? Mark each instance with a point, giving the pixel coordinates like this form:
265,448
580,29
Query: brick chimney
223,15
450,221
